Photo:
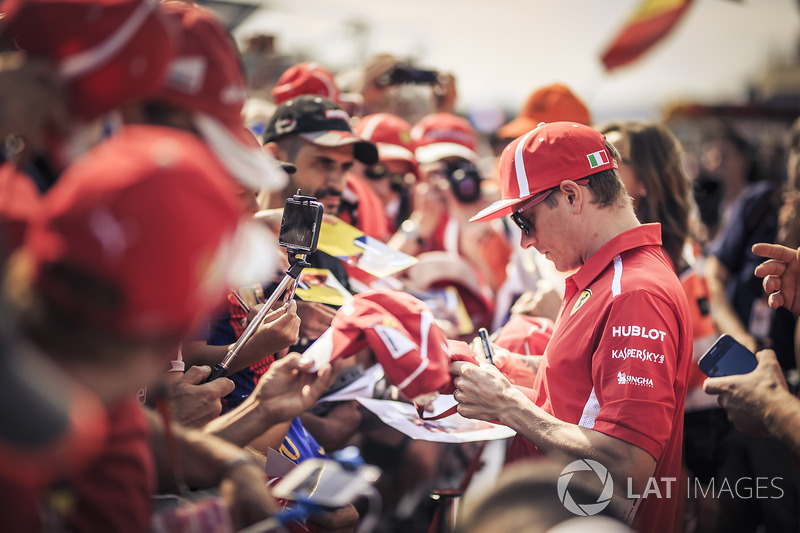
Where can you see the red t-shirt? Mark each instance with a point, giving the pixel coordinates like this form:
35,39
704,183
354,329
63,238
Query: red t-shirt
112,493
619,358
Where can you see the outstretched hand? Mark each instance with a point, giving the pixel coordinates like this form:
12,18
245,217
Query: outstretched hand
289,389
781,275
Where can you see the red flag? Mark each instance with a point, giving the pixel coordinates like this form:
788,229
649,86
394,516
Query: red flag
649,24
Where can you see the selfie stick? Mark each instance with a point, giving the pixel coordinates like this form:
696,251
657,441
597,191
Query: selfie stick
221,369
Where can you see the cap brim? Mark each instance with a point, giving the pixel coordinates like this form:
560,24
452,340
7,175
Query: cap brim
393,152
241,154
363,151
437,151
499,209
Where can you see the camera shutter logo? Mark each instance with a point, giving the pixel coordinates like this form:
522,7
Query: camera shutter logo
585,509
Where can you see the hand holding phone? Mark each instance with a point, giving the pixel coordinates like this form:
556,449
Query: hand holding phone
726,357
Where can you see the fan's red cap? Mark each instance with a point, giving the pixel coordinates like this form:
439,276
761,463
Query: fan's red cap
402,333
441,135
305,78
205,75
109,51
543,158
390,133
148,214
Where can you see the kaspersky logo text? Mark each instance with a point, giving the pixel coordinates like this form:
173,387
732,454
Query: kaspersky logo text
642,355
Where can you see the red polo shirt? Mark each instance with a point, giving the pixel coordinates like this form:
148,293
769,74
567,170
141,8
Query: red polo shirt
619,359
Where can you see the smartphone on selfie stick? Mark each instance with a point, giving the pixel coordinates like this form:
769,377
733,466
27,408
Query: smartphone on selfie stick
299,234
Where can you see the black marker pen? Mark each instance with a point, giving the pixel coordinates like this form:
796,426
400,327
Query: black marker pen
487,346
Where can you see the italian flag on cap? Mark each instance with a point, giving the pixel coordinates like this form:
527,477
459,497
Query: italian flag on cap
597,158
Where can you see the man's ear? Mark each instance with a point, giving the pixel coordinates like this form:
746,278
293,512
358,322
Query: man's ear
573,193
273,149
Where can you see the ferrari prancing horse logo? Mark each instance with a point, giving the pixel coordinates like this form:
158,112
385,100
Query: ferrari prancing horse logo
585,295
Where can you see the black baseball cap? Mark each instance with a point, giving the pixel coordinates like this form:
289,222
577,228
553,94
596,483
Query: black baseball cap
319,121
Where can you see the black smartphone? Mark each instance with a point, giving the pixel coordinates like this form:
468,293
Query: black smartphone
300,224
727,357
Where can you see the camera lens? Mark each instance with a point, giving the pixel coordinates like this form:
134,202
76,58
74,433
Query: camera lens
465,181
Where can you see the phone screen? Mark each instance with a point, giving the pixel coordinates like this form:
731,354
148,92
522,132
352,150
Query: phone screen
300,225
727,358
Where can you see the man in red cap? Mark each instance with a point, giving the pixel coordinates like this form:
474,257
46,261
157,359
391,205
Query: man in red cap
612,382
383,191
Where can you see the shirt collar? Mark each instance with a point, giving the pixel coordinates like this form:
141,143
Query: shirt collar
644,235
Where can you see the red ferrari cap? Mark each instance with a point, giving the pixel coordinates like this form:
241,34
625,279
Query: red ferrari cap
305,78
151,215
390,133
442,135
109,51
543,158
205,74
401,332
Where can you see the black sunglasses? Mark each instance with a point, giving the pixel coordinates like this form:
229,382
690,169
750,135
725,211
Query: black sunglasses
516,216
523,224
